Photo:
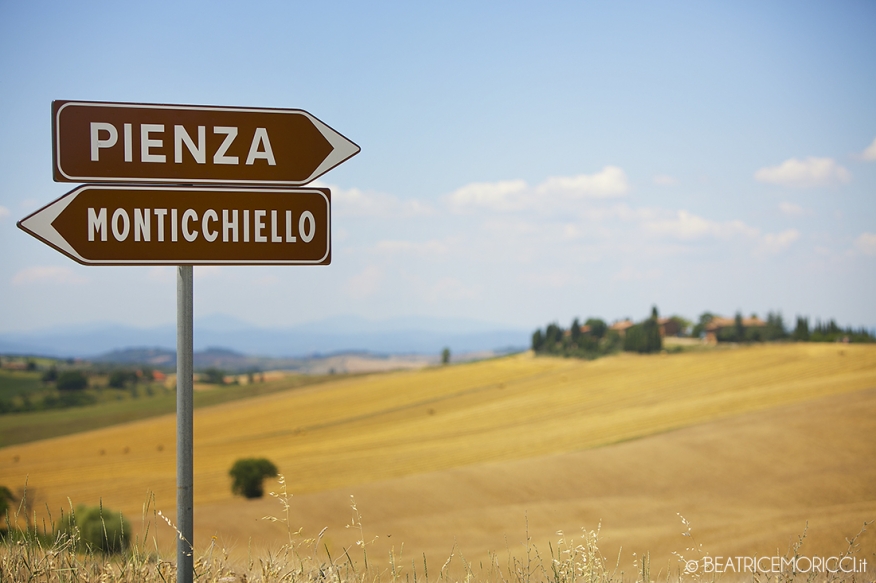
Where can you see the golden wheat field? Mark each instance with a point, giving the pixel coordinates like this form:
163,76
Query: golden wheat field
747,443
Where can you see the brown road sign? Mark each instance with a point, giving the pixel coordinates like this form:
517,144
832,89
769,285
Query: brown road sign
131,142
158,225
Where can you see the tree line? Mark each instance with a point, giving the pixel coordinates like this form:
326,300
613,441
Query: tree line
595,338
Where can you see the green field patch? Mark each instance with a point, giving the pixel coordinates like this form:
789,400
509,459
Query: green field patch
17,383
118,406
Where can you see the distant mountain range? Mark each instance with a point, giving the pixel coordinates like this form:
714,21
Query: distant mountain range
409,335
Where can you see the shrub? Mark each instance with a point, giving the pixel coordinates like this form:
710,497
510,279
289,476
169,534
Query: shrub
643,338
119,378
213,376
72,380
99,529
248,476
50,375
6,499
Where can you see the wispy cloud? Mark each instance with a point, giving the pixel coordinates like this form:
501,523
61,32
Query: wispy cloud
808,173
792,210
869,152
4,212
365,283
431,247
687,226
610,182
161,273
357,202
557,192
631,274
206,271
866,243
664,180
772,243
451,288
47,274
506,195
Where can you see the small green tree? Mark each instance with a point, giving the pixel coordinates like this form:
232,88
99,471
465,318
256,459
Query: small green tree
598,327
537,341
645,336
575,330
119,378
445,356
248,476
801,331
699,330
72,380
214,376
7,498
50,375
97,529
738,328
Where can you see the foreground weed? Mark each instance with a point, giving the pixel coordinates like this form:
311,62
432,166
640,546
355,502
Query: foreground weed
28,555
580,560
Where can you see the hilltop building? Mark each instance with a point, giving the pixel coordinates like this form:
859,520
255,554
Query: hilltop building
719,323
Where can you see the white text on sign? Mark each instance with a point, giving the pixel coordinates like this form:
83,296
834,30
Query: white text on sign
105,135
264,225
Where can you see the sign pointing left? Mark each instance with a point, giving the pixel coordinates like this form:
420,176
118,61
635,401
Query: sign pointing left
156,225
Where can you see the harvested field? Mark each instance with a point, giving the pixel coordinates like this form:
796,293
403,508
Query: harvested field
747,443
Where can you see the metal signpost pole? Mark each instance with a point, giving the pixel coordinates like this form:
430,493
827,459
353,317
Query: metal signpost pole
184,424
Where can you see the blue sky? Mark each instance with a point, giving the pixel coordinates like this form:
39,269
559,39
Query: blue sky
520,164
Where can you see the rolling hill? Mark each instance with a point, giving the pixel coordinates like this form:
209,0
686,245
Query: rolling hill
747,442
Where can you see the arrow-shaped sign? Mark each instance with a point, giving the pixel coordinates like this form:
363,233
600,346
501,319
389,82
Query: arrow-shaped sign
130,142
156,225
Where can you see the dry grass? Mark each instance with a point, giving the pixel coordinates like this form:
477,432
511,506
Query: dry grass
495,436
28,556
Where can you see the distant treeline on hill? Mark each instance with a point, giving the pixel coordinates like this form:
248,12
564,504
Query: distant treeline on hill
596,338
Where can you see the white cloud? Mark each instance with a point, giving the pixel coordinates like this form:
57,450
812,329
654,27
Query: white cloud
866,243
870,152
206,271
630,274
557,192
450,288
161,273
47,274
688,226
558,278
432,247
664,180
792,210
610,182
507,195
266,280
685,226
807,173
778,242
365,283
356,202
4,212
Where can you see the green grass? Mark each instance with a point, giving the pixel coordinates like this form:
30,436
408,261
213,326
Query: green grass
14,383
32,426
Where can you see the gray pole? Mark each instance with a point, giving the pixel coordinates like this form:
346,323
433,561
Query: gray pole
184,406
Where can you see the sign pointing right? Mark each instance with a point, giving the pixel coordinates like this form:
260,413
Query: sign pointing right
131,142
